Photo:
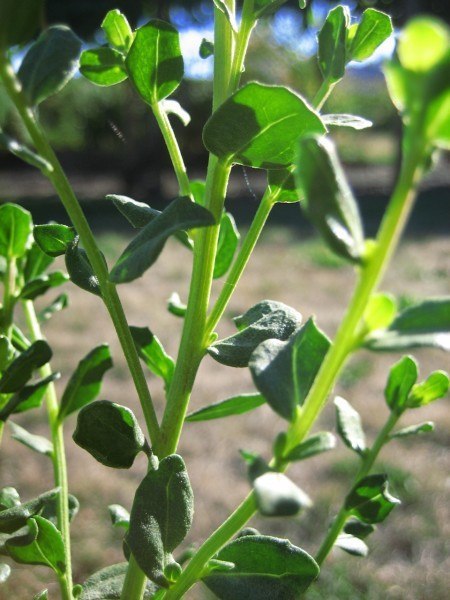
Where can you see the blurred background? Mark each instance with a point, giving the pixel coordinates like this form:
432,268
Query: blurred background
108,142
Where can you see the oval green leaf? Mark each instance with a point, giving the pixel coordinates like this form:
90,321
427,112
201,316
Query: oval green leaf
103,66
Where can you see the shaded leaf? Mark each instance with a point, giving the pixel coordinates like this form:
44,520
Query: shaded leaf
206,49
103,66
40,285
434,387
15,517
15,230
50,510
402,376
20,370
54,239
80,269
142,252
316,444
236,405
117,30
277,496
36,262
19,20
25,154
110,433
343,120
50,63
59,303
226,246
107,584
259,126
161,517
6,352
120,517
370,500
332,38
349,426
86,381
352,545
282,185
9,497
35,442
29,397
152,352
358,529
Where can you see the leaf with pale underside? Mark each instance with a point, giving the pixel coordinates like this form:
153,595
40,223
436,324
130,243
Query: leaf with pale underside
349,425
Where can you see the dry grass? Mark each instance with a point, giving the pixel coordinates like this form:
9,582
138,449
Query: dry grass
408,559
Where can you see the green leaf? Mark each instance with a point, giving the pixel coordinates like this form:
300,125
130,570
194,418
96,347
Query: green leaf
15,231
54,239
9,497
161,517
223,7
402,377
352,545
142,252
173,107
110,433
316,444
59,303
19,20
329,202
332,38
282,185
107,584
50,510
374,28
264,567
154,61
20,370
138,214
39,444
175,306
36,262
259,125
423,43
30,396
380,312
42,595
277,496
227,245
86,381
120,517
50,63
343,120
6,352
206,49
370,500
117,30
80,269
14,518
264,8
424,324
40,285
152,352
103,66
25,154
418,429
5,572
434,387
349,426
236,405
41,545
358,529
284,371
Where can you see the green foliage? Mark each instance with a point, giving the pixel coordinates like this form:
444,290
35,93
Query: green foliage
15,231
370,500
117,30
28,397
24,153
402,376
227,245
38,443
19,20
103,66
108,583
237,405
153,354
316,444
15,516
21,369
332,41
120,517
373,29
277,496
349,426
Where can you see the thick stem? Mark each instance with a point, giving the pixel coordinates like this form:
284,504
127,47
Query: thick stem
134,584
59,454
248,22
223,55
365,467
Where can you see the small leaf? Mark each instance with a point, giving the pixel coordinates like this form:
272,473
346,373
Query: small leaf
349,426
7,352
20,370
277,496
332,38
117,30
418,429
110,433
282,185
236,405
19,21
343,120
42,545
175,306
284,371
374,28
9,497
107,584
50,510
266,320
223,7
434,387
402,376
206,49
59,303
227,245
40,285
172,107
42,595
329,202
25,154
370,500
274,119
153,354
80,269
35,442
352,545
15,231
154,61
86,381
316,444
5,572
120,517
161,517
54,239
142,252
29,397
358,529
264,567
380,312
103,66
50,63
36,262
14,518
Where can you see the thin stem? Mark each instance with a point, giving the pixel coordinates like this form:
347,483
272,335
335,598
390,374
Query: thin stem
323,93
2,429
248,22
59,454
135,580
9,299
223,54
173,148
364,469
65,192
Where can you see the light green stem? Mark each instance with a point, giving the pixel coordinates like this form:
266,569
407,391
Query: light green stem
59,454
323,93
247,24
223,55
9,299
365,467
2,429
65,192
